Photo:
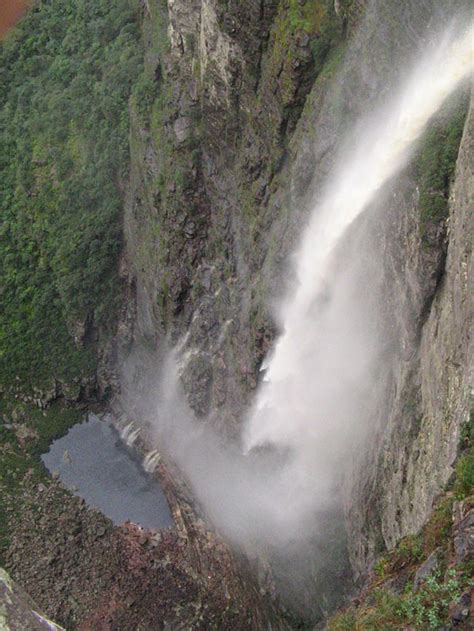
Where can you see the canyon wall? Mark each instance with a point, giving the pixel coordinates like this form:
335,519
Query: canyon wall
237,110
228,156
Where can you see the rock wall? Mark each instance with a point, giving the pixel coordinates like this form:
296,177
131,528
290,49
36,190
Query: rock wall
248,103
205,164
426,397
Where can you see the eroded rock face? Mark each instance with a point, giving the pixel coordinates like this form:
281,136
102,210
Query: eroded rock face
18,612
222,183
427,389
446,352
216,206
235,77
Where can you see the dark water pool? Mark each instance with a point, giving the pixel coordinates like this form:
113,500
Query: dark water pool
95,464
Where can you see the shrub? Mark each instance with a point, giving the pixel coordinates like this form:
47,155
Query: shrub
66,74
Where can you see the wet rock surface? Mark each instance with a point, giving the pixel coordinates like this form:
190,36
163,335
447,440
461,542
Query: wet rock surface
270,102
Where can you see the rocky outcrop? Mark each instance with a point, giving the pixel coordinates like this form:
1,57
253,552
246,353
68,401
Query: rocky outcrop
17,611
426,392
90,575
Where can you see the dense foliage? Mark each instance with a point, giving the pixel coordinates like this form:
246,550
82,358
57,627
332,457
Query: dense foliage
393,600
436,162
65,79
25,433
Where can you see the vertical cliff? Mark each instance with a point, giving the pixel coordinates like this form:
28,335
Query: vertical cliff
235,112
409,507
206,162
426,402
241,118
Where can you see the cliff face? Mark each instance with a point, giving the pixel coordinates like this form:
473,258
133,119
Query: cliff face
248,102
236,117
206,201
427,389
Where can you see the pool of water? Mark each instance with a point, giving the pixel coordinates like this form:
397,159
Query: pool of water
94,463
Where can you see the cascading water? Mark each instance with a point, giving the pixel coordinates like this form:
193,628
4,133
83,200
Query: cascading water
151,461
129,434
320,375
322,384
290,407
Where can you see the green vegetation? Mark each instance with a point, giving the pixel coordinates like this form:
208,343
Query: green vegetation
66,75
319,20
306,17
436,162
427,607
464,478
25,433
423,608
314,20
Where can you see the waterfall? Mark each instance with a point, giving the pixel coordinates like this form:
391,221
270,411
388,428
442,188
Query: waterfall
151,461
129,434
312,403
292,406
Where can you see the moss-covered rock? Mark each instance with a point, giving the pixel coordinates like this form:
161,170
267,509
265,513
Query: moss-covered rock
435,165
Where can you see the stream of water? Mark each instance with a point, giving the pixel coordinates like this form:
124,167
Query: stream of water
311,409
308,362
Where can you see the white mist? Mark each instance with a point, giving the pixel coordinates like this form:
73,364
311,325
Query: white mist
309,377
318,381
